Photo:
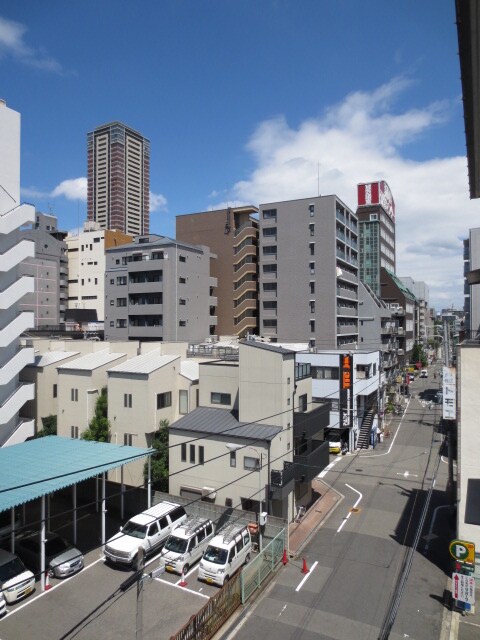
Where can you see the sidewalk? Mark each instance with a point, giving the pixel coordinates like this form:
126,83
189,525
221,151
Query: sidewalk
301,532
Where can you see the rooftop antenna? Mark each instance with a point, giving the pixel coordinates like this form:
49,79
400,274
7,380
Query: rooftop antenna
318,178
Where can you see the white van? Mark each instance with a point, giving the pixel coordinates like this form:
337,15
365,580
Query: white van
225,554
16,581
186,544
148,529
424,373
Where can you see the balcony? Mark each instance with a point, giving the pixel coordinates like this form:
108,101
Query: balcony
400,331
16,327
21,359
347,294
17,217
346,276
23,430
155,333
24,249
16,291
15,402
212,282
347,329
308,465
347,311
143,309
282,481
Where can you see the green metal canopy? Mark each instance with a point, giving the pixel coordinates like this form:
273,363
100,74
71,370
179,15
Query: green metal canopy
45,465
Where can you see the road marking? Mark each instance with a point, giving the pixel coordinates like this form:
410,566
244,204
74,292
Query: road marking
330,466
354,507
407,474
378,455
307,576
283,609
177,586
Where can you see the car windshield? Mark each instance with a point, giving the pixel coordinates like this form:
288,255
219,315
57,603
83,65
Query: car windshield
55,546
11,569
216,555
175,544
135,530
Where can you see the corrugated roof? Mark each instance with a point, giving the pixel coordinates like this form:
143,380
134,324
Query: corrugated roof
51,357
45,465
190,369
146,363
222,421
92,360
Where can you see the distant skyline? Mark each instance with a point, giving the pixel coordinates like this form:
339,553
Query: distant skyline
251,102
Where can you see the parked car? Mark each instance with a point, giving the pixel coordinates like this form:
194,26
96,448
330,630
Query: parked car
16,581
335,446
186,544
226,553
411,377
62,559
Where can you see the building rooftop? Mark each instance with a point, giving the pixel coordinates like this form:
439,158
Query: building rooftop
146,363
211,421
51,357
190,369
92,361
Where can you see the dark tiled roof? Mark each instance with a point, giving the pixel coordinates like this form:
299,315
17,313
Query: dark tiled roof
222,421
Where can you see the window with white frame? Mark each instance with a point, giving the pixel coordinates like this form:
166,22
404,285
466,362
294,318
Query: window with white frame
127,400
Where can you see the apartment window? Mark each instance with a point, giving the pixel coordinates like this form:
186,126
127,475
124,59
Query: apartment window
183,452
74,395
312,287
121,302
272,324
311,266
220,398
121,280
183,401
182,259
269,304
192,453
117,261
96,281
83,281
270,286
96,239
269,214
112,280
251,464
128,439
374,216
311,210
233,458
311,228
311,247
182,302
269,268
302,403
121,324
182,323
312,325
74,432
164,400
268,232
182,280
201,455
127,400
325,373
55,390
312,306
270,250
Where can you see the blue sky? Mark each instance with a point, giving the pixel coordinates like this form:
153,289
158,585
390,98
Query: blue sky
251,102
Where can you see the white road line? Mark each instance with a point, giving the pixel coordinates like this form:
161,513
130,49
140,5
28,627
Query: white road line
327,468
354,506
378,455
307,576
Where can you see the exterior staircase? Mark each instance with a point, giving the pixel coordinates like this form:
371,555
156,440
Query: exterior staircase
363,441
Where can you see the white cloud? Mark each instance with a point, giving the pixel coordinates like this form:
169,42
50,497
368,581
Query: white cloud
361,139
12,43
74,189
158,202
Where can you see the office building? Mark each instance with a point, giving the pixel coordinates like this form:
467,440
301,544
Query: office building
471,257
158,289
376,229
232,235
423,324
13,286
118,179
308,272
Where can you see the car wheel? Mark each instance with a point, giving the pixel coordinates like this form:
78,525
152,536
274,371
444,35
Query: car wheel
226,579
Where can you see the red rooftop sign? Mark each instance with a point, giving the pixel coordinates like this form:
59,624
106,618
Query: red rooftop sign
376,193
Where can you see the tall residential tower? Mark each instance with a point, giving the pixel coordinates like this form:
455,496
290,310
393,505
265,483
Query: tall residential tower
119,179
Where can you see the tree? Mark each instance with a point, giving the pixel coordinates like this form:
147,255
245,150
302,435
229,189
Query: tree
49,427
159,459
99,427
418,355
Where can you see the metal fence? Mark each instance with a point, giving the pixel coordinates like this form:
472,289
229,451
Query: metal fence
262,566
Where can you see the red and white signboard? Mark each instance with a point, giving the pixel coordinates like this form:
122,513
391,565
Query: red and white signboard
376,193
463,588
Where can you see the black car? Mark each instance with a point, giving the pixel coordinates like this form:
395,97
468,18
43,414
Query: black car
62,559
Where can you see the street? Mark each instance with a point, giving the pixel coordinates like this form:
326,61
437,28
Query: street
365,581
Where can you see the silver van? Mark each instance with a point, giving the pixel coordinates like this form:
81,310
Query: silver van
186,544
148,529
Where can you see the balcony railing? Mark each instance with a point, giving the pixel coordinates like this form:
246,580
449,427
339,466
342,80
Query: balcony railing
309,465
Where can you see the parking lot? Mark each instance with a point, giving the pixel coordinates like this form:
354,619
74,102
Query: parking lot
91,605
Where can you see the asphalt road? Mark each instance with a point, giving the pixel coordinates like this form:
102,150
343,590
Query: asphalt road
359,560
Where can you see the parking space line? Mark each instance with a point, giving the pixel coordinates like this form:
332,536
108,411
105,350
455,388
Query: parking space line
177,586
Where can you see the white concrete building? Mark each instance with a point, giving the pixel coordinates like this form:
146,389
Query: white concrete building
13,287
87,266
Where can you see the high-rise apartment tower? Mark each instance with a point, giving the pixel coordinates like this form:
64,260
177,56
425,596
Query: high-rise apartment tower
119,179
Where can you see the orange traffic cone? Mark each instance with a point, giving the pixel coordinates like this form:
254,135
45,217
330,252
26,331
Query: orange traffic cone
285,558
47,581
183,582
305,569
